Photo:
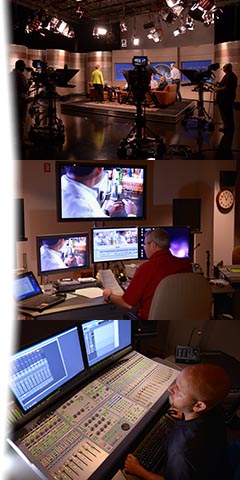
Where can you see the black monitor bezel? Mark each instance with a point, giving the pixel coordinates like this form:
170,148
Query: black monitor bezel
112,164
63,270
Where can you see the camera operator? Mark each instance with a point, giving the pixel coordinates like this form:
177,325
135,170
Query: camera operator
21,86
226,94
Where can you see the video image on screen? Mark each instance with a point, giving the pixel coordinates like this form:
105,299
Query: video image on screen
62,253
179,241
114,244
100,192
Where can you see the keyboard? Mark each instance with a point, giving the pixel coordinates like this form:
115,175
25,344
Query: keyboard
108,280
151,451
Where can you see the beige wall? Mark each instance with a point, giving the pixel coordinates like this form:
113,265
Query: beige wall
166,180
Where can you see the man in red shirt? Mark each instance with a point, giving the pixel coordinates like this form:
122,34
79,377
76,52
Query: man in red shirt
161,263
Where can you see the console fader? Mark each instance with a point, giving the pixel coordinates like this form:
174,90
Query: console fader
72,441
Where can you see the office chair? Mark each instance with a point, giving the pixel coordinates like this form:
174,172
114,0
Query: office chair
181,296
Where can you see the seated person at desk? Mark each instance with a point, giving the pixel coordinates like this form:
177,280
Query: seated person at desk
110,90
147,277
80,194
53,256
196,444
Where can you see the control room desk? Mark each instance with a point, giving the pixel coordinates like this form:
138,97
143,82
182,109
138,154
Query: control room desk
76,307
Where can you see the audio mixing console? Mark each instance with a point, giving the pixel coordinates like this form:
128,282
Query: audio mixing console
82,437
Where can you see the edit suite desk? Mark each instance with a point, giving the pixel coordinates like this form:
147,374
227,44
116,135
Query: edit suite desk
85,431
76,307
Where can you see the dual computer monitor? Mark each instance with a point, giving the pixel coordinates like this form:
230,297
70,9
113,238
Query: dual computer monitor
44,368
68,252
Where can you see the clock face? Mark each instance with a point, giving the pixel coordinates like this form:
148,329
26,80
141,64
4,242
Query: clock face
225,200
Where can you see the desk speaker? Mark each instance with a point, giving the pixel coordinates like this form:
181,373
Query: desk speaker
187,212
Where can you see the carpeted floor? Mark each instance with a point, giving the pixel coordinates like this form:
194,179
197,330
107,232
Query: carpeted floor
171,114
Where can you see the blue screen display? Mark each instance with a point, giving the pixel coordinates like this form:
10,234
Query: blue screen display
179,241
103,338
119,69
163,68
41,369
199,65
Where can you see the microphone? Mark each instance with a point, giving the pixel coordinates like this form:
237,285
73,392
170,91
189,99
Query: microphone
199,332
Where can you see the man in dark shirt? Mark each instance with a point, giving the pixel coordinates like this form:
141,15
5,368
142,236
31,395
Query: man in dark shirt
148,275
226,94
196,444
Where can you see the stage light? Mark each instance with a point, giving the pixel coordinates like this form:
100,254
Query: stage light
99,32
190,25
135,40
123,26
180,31
176,6
155,34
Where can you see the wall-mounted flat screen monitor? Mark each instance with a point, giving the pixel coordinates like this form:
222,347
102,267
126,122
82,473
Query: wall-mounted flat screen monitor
41,369
62,253
200,66
103,338
180,240
114,244
100,191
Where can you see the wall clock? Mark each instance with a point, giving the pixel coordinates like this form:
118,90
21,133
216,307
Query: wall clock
225,200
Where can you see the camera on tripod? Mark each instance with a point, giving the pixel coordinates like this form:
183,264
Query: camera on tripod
139,78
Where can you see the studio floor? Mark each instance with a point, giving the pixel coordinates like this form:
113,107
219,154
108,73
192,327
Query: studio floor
94,131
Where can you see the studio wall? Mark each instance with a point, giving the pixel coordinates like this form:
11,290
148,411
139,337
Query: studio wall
166,180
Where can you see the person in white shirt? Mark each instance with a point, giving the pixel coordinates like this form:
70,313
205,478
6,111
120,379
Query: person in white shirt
51,255
176,78
81,194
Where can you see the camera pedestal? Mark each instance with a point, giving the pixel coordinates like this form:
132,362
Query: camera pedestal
138,144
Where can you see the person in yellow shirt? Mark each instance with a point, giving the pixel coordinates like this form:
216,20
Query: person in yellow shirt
98,83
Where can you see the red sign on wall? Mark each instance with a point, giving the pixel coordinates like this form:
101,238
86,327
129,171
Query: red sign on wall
47,167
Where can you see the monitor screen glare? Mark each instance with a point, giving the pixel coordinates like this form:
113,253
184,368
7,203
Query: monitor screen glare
41,369
114,244
179,241
61,253
100,192
103,338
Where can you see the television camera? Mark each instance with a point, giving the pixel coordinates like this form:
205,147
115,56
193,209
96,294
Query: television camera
137,144
202,80
43,95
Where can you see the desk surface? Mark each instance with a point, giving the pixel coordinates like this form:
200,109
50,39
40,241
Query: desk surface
76,307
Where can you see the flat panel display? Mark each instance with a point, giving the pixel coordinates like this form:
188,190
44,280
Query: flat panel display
100,191
103,338
38,371
180,244
114,244
119,68
62,253
198,65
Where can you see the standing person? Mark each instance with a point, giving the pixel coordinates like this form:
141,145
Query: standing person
160,264
20,86
98,83
226,94
176,78
196,445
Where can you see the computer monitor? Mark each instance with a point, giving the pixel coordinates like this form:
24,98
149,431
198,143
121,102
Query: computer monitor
103,338
100,191
62,253
41,369
180,241
114,244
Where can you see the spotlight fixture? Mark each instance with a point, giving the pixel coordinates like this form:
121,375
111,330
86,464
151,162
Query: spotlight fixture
176,6
155,34
123,26
99,32
205,11
190,25
135,40
180,31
